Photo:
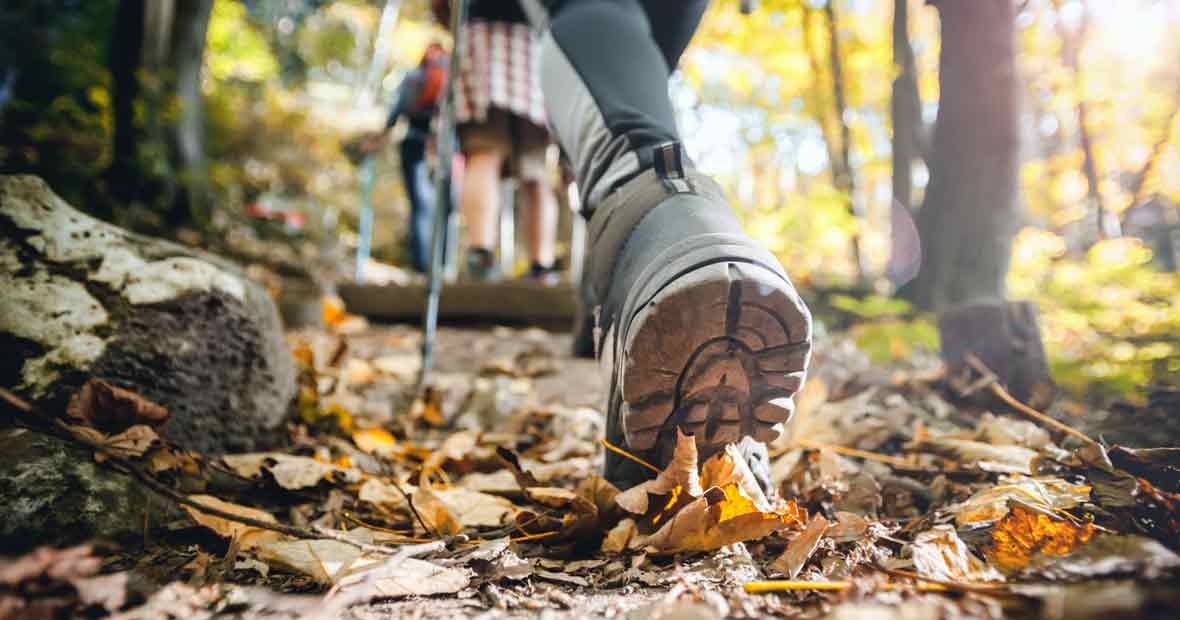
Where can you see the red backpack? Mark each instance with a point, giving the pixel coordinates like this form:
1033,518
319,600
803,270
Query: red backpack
434,79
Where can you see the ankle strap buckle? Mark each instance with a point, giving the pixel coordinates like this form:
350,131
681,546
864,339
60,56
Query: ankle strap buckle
668,160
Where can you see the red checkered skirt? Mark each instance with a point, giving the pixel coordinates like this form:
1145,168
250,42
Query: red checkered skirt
500,68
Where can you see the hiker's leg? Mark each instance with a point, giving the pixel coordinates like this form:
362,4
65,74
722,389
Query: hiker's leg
605,74
485,145
416,178
537,199
701,330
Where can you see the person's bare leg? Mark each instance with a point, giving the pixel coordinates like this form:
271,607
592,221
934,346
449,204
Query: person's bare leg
480,198
540,221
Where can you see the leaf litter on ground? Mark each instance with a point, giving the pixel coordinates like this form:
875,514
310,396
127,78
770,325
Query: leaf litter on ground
488,485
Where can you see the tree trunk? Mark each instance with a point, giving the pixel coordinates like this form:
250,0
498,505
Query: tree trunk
905,108
155,63
189,27
1071,53
845,179
969,214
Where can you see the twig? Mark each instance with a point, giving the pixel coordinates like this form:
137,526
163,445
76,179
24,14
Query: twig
863,454
756,587
999,391
949,585
609,446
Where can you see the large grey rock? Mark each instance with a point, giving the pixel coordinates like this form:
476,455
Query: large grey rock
53,493
82,298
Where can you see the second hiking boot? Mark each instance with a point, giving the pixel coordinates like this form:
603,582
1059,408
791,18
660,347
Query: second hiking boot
699,329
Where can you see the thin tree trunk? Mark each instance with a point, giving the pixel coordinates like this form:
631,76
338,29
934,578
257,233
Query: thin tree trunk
1139,181
190,25
1071,52
125,56
969,213
837,133
905,108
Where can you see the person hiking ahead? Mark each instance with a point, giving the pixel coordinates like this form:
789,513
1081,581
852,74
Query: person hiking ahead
417,100
699,329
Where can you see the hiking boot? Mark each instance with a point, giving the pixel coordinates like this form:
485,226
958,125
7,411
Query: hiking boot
699,328
481,265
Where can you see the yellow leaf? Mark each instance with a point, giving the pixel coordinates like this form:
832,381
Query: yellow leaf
375,441
1025,533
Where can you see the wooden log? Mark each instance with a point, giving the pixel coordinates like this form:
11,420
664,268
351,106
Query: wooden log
1006,336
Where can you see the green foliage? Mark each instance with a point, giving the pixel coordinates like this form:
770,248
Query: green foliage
1109,319
234,47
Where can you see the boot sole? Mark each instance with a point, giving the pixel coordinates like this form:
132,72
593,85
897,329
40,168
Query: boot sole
718,353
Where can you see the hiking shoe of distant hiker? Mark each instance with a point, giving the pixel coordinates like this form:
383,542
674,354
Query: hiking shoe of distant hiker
699,329
481,265
543,275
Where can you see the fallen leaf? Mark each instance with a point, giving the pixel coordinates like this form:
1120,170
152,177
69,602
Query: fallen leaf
375,441
112,409
619,538
1107,555
801,548
404,366
290,472
849,527
687,518
1024,534
1008,459
1045,494
321,559
398,577
434,512
939,553
455,447
679,478
248,536
427,407
131,443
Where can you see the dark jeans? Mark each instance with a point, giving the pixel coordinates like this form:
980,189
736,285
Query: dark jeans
608,99
416,178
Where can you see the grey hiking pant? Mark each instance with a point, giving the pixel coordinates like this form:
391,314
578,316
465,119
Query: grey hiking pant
604,71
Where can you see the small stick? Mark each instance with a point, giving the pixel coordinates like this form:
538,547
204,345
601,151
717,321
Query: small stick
1003,395
950,585
846,451
606,444
758,587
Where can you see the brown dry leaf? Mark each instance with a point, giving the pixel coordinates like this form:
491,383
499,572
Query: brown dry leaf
687,518
248,536
472,508
988,457
455,447
620,536
381,494
1044,493
939,553
290,472
801,548
112,409
434,511
375,441
323,559
598,491
337,319
849,527
679,478
1024,534
131,443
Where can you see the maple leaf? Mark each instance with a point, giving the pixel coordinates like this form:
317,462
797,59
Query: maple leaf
1024,534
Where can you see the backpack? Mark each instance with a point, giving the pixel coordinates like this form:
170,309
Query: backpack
434,80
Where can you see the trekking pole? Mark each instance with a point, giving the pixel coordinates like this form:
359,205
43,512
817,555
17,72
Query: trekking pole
443,206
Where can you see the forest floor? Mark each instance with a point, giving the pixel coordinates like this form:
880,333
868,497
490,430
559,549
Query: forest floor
892,498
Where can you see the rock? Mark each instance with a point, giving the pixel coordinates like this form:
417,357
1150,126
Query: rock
186,330
53,493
